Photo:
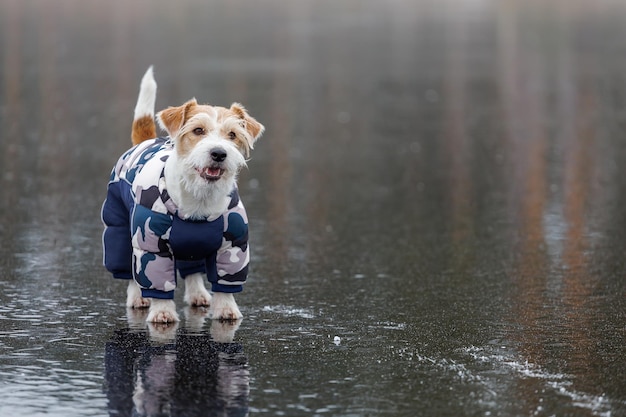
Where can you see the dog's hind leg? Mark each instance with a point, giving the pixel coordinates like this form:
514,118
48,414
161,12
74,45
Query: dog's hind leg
195,292
134,298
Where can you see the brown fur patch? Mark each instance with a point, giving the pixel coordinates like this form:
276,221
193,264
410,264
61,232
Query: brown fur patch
251,125
143,129
173,118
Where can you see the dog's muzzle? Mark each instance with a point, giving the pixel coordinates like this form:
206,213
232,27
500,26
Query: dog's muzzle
214,171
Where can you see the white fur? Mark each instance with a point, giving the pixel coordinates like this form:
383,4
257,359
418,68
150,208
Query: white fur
133,296
223,306
147,95
195,292
162,311
194,196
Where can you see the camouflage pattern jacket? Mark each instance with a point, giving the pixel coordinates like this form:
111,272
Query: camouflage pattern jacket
145,238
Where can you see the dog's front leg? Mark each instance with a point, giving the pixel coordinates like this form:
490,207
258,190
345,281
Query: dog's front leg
195,292
162,311
224,307
134,298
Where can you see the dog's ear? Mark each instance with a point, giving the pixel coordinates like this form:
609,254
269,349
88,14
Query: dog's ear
172,119
254,128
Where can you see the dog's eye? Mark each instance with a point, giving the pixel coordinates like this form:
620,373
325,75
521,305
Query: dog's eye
232,135
198,131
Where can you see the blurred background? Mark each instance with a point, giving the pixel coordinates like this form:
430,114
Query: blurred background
440,185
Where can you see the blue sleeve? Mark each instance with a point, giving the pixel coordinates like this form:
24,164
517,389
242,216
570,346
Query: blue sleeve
116,239
233,256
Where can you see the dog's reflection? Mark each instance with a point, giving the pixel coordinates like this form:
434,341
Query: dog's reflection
167,371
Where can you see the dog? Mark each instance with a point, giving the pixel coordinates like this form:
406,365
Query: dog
173,210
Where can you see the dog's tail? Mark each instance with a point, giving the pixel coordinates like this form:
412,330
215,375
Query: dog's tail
144,127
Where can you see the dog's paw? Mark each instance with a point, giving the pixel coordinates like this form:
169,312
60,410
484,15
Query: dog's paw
195,293
224,307
162,316
198,298
162,311
137,302
134,298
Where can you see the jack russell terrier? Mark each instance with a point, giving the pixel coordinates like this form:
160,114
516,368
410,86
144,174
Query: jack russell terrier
172,207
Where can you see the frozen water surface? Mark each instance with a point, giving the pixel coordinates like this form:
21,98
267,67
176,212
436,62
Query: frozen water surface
437,208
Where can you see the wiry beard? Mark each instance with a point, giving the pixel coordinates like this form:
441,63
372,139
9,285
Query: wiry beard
201,189
202,184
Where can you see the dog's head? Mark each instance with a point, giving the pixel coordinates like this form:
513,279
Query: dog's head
211,142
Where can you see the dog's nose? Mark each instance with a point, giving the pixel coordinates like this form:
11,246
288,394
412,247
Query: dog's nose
218,154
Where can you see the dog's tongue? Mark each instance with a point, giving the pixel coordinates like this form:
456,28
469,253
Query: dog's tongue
212,172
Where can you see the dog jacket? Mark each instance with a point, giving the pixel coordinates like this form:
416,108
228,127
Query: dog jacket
148,239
